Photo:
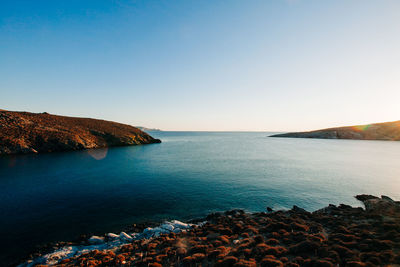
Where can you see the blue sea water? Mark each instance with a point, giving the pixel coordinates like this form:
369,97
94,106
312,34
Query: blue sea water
58,196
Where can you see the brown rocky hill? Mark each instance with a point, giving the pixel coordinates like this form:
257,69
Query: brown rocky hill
376,131
25,132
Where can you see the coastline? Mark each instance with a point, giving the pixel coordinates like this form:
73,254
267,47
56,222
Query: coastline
333,235
385,131
32,133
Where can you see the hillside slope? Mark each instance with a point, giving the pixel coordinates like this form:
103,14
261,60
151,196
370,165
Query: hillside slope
376,131
24,132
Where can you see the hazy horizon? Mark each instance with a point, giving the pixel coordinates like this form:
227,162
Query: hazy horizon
204,66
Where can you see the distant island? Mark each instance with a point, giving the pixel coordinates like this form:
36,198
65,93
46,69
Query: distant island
145,129
25,132
376,131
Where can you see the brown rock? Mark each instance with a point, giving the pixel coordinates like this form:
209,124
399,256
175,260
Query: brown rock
271,262
181,252
228,261
198,249
198,257
272,241
343,251
224,239
245,263
276,251
355,264
188,260
305,246
323,263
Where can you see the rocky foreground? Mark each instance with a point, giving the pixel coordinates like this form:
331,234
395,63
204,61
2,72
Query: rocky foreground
24,132
333,236
378,131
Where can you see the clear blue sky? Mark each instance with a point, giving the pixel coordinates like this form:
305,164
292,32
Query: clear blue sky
204,65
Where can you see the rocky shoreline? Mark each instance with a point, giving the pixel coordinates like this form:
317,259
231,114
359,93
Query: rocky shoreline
332,236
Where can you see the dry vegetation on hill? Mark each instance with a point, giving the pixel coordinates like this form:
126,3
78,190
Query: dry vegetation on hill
377,131
24,132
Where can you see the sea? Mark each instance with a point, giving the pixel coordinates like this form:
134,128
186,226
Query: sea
61,196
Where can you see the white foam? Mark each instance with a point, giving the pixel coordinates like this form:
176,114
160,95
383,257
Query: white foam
112,236
125,236
114,242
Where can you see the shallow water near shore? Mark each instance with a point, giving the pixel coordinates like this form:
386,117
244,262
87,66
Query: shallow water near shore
58,196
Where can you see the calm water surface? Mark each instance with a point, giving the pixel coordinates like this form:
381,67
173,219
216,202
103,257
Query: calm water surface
59,196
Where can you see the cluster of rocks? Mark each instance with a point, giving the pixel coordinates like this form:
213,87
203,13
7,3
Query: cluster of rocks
24,132
108,242
333,236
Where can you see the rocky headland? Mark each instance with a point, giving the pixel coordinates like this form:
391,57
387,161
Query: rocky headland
376,131
333,236
25,132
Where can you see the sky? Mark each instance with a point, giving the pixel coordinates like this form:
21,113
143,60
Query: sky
282,65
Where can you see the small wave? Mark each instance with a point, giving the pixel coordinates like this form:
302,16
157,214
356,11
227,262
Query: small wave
109,241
